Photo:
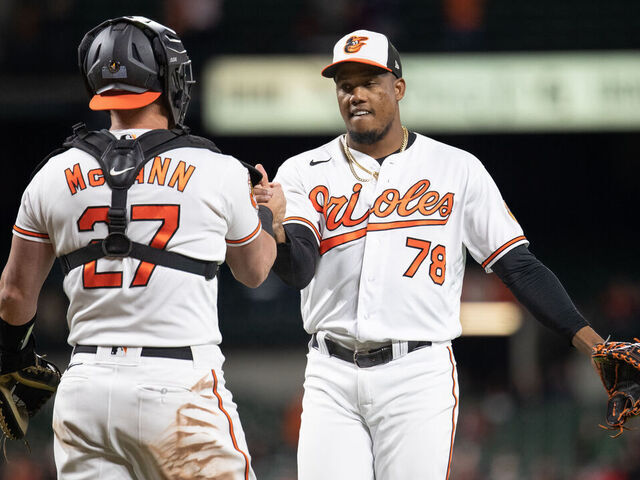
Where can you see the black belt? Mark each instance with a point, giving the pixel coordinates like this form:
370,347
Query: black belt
365,359
180,353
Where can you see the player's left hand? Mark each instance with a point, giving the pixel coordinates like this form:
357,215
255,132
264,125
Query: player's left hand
618,364
27,381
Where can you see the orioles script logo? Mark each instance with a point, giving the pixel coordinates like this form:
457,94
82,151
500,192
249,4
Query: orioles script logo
338,211
354,44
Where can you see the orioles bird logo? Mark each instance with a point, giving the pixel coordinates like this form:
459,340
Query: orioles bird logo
113,66
354,44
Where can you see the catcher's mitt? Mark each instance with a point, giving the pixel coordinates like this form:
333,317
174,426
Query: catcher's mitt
619,366
25,390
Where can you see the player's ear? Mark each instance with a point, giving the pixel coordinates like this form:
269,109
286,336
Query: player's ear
399,86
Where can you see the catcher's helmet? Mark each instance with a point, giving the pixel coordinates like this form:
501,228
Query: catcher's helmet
129,62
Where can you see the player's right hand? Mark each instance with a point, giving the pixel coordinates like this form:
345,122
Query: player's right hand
262,191
271,195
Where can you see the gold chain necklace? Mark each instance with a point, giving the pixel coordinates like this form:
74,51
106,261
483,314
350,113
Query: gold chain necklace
352,160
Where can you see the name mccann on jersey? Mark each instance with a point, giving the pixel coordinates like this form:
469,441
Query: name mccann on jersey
417,199
156,172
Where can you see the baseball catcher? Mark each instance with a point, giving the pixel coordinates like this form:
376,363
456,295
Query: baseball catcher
132,253
618,364
27,380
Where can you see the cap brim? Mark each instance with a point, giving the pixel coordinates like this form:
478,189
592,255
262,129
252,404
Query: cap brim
124,101
330,70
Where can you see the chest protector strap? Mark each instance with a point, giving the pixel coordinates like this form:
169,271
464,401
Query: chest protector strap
121,160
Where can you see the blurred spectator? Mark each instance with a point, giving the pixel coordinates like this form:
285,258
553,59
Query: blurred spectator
480,287
464,24
186,16
291,421
505,466
621,307
545,468
24,468
52,329
318,21
599,473
466,465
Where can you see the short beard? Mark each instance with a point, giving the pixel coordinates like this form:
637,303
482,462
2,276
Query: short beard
370,137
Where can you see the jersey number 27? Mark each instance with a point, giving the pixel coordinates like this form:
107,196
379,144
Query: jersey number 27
167,215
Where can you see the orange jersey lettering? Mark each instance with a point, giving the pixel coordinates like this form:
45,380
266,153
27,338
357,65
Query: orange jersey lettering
74,179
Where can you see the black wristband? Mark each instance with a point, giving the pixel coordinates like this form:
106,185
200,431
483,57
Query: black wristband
266,219
14,338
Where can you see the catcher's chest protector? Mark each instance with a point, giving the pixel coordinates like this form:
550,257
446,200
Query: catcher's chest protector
121,160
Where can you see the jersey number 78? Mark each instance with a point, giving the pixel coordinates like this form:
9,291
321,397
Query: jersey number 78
438,259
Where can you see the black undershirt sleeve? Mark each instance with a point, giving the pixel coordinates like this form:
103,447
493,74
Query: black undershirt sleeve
297,258
540,291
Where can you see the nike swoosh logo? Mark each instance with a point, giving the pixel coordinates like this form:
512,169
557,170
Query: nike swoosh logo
316,162
115,172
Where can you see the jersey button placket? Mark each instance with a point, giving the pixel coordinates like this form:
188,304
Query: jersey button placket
372,244
367,299
384,177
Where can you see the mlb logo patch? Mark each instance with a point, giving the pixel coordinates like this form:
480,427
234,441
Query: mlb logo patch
119,351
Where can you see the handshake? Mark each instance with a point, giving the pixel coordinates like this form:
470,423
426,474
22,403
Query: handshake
270,195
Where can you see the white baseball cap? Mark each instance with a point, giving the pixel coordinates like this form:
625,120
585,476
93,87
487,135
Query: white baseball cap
365,46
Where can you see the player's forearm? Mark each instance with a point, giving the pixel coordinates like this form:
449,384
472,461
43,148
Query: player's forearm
279,233
585,339
22,278
540,291
297,256
16,316
15,308
272,223
251,264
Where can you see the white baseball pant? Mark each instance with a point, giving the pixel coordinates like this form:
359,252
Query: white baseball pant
385,422
120,415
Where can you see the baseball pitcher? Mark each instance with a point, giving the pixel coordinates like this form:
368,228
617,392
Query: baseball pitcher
378,224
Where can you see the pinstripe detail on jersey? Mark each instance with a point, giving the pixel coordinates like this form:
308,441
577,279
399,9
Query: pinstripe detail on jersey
231,432
29,233
247,238
502,249
306,222
453,411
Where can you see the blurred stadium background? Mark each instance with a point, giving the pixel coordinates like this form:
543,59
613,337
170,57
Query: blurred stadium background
545,93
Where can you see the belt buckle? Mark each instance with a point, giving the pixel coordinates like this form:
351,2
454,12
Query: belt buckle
366,355
372,358
355,358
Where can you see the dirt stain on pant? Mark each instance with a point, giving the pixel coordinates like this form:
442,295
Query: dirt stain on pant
197,445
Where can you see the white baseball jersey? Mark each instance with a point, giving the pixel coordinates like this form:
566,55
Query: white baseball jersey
393,251
187,200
